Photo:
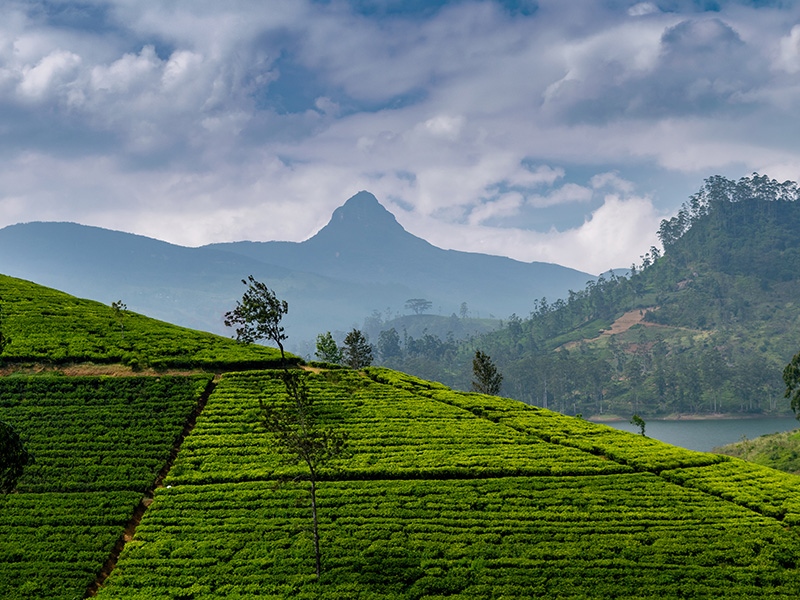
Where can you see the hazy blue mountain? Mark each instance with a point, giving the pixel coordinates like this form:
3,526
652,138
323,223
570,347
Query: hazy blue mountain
362,261
364,243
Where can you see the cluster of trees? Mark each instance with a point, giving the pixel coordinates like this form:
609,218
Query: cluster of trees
356,352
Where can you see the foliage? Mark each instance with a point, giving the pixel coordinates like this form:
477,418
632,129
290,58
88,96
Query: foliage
327,349
357,351
777,450
451,494
52,327
99,444
418,305
487,380
13,457
258,315
638,422
4,339
708,324
791,377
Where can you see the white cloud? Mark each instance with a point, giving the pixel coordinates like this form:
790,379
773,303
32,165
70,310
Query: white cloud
201,121
49,75
566,194
643,8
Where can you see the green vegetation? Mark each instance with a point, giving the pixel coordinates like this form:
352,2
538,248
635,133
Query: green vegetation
13,457
487,379
450,494
47,326
99,443
777,450
707,327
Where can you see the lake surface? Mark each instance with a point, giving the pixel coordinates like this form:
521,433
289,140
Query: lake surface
707,434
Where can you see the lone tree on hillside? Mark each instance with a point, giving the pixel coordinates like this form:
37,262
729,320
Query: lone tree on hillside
13,458
791,377
639,422
119,313
357,351
302,440
293,421
487,378
258,316
418,305
327,349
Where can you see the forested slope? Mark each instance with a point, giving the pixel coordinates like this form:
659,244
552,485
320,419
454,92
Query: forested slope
719,314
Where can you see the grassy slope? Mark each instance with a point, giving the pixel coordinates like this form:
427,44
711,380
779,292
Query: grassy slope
777,450
49,326
457,495
99,442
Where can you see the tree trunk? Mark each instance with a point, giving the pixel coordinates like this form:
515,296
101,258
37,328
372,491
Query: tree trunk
315,526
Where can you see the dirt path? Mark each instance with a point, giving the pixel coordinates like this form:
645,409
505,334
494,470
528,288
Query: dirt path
147,500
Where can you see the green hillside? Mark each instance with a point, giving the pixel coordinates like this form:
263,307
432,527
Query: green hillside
169,485
48,326
705,327
777,450
448,494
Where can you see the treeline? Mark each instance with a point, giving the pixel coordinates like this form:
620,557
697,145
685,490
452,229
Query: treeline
716,310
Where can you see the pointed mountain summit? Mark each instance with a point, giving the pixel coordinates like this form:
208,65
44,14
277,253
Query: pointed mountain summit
363,210
363,229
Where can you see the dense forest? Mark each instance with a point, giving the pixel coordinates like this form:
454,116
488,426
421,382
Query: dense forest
704,326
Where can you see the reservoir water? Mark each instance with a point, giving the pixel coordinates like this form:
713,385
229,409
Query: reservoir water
704,435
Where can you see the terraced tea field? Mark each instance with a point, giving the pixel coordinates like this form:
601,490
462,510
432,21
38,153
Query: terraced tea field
455,495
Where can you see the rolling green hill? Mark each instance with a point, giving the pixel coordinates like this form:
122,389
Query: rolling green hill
48,326
443,494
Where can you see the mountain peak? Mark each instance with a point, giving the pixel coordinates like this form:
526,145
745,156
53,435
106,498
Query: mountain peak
365,210
361,217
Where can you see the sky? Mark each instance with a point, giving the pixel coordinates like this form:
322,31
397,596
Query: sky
552,130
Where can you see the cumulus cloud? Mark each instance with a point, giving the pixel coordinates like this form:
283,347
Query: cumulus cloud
535,135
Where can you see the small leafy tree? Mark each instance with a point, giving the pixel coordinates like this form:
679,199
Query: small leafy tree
13,458
418,305
487,378
357,351
327,349
258,316
639,422
302,440
293,422
791,377
119,313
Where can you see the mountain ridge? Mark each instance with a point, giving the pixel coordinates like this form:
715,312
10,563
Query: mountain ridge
363,260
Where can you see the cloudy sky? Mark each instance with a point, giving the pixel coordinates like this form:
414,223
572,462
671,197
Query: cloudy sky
553,130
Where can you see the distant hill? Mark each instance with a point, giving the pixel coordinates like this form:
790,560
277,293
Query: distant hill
362,261
707,327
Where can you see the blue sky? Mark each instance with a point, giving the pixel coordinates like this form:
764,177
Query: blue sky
550,130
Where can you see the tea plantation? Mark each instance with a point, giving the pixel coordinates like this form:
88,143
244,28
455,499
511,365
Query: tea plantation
441,494
455,495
